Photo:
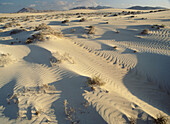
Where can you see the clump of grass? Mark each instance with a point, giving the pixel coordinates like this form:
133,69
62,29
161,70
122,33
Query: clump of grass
65,21
18,24
115,14
70,113
91,30
158,26
82,20
160,119
15,31
115,47
162,26
132,120
73,30
143,18
117,32
145,31
38,36
42,26
37,112
91,26
95,81
7,25
135,51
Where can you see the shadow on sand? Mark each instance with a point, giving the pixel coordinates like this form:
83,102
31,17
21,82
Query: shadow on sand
149,80
10,110
71,90
38,55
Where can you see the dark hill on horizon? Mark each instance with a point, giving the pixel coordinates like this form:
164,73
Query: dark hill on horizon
97,7
32,10
145,8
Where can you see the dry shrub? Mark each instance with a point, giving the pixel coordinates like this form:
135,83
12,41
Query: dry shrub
37,112
73,30
115,47
18,24
2,20
15,31
132,120
95,81
42,26
158,26
82,20
135,51
145,31
91,26
160,119
162,26
65,21
38,36
117,32
11,24
70,113
45,30
91,30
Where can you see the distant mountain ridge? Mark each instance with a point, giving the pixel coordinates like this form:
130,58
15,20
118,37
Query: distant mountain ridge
145,7
97,7
23,10
32,10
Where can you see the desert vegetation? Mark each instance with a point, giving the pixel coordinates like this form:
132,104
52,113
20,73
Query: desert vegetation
158,26
132,120
16,31
95,81
83,20
44,30
160,119
145,31
65,21
91,30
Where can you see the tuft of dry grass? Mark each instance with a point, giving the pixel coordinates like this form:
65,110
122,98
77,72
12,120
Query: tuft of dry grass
82,20
91,31
42,26
135,51
37,112
117,32
7,25
91,26
70,113
160,119
162,26
65,21
132,120
145,31
15,31
44,31
115,47
95,81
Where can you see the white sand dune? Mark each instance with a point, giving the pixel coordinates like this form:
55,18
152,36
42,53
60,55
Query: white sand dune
45,81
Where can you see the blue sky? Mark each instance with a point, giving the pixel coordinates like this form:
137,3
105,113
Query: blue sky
15,5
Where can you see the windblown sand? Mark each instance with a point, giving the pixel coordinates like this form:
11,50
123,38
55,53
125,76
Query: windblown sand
46,81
